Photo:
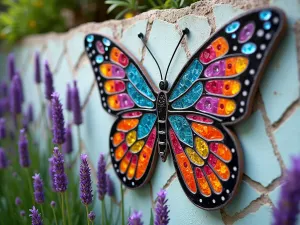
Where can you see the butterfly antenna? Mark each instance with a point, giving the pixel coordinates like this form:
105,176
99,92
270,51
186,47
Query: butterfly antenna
141,36
186,31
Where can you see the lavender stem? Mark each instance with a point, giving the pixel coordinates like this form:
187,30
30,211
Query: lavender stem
29,183
54,214
63,209
67,206
122,204
87,214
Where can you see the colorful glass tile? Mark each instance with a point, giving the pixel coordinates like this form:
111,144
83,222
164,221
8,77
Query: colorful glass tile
120,151
234,26
138,98
106,42
216,106
146,124
213,180
202,183
138,81
267,25
135,114
145,154
127,124
114,86
132,167
221,150
201,147
119,102
227,67
194,157
131,138
100,47
208,132
99,59
117,56
125,162
216,49
118,138
265,15
228,88
188,78
109,70
176,146
198,118
220,168
90,38
189,98
249,48
137,146
246,32
182,129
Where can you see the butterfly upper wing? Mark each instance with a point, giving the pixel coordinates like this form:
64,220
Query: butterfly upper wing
123,83
133,146
214,89
221,78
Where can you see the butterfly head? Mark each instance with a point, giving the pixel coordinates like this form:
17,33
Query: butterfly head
163,85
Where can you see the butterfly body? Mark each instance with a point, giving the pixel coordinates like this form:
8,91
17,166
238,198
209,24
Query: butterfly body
190,119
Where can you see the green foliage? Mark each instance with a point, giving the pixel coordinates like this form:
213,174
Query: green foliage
132,7
25,17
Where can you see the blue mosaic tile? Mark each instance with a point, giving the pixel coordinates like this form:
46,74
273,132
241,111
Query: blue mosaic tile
182,129
232,27
138,98
192,74
248,48
262,216
265,15
137,80
189,98
146,124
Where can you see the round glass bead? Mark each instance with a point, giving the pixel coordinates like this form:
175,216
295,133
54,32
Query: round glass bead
106,42
248,48
232,27
90,38
265,15
267,25
99,59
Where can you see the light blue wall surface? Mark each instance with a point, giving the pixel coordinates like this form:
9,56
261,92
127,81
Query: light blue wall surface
269,137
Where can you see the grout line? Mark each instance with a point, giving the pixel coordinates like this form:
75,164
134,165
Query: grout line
170,180
86,100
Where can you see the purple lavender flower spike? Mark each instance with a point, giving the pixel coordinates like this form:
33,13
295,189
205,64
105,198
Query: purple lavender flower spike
20,84
30,113
25,123
49,89
287,209
109,186
3,159
77,116
2,128
22,213
37,68
38,187
51,172
58,122
15,96
68,145
23,150
92,216
18,201
60,177
101,177
86,195
69,98
53,204
161,209
3,89
135,218
11,66
36,218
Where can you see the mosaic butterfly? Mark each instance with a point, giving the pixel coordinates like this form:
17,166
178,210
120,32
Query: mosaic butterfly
214,89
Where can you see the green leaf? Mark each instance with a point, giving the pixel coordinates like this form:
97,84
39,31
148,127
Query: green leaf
151,217
122,13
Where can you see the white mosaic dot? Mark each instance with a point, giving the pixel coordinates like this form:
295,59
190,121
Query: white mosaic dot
106,57
234,168
132,183
98,78
118,170
268,36
111,139
242,103
100,84
115,165
227,191
241,110
258,55
124,179
93,63
200,200
90,55
234,48
106,48
247,82
104,104
113,154
101,91
252,71
93,52
109,110
111,149
223,198
275,20
233,150
214,201
262,47
233,118
103,98
96,69
244,93
260,33
232,176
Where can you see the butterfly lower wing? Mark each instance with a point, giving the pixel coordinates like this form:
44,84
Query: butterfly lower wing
207,159
123,83
133,147
221,78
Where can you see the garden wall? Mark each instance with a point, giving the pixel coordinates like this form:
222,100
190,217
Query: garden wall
269,137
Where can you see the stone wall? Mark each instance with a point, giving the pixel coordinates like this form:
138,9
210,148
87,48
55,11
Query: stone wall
269,137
